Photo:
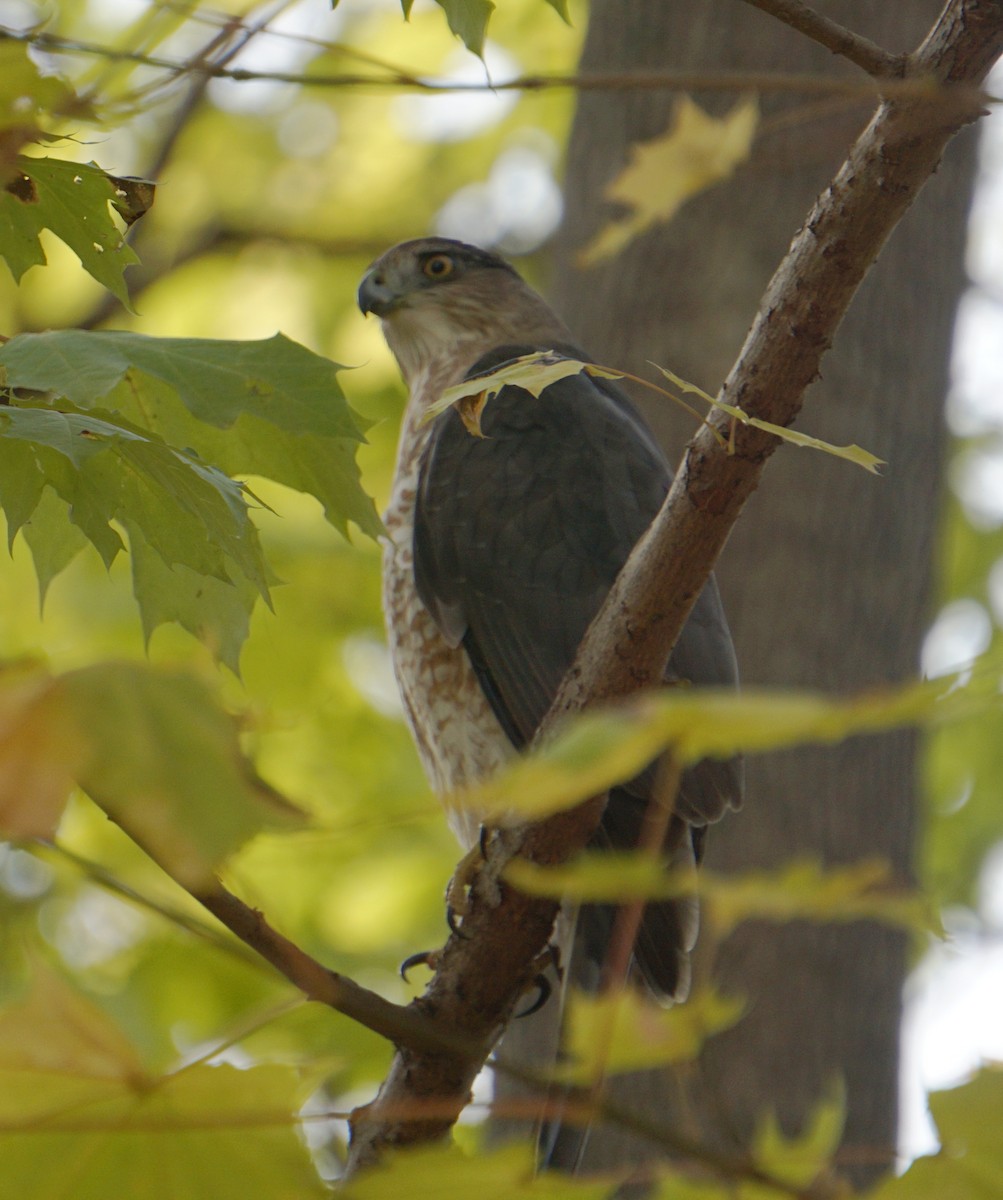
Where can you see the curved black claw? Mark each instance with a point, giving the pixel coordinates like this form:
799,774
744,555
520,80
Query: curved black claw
543,991
425,958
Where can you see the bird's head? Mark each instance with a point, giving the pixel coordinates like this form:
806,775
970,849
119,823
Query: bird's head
446,302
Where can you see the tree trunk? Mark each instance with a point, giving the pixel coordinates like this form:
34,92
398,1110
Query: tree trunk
827,579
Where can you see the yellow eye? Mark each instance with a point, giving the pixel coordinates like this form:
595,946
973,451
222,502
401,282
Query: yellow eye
439,266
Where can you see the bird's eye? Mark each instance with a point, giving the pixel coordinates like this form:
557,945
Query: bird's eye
439,266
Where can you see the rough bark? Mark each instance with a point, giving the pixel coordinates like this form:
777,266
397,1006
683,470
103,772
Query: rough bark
827,578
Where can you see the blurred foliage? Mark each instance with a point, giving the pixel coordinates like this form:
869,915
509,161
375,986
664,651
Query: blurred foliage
798,891
446,1173
606,745
695,152
59,1053
624,1031
271,199
964,765
127,1009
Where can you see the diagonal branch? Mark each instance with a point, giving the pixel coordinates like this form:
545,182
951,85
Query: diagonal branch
835,37
802,307
315,980
404,1026
484,968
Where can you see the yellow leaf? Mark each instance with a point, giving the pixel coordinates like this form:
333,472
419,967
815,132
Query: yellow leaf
808,1156
82,1117
968,1120
625,1030
798,891
602,876
151,747
446,1173
56,1031
470,409
593,752
606,746
806,891
696,152
855,454
531,372
160,749
40,753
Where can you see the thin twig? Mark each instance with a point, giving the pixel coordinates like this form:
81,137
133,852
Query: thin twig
916,87
219,20
222,48
216,239
835,37
401,1025
176,916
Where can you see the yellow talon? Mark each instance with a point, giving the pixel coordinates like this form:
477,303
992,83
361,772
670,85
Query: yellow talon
458,888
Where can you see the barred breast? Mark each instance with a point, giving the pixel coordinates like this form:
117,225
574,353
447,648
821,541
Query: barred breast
458,737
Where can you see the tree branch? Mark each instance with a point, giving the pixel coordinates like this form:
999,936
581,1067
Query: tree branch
630,640
259,943
485,967
154,267
400,1025
835,37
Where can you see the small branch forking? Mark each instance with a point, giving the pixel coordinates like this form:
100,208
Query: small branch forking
835,37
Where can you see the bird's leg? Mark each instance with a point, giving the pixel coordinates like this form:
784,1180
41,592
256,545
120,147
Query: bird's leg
458,888
457,904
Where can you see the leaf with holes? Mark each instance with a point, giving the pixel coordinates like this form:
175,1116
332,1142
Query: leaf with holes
74,200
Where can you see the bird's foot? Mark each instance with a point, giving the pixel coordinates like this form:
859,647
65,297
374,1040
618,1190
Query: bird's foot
549,959
458,888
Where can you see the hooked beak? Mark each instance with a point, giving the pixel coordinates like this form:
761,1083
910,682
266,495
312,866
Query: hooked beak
377,295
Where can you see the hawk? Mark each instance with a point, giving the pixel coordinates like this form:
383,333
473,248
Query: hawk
502,549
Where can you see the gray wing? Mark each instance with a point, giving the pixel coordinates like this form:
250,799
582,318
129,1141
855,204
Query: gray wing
519,536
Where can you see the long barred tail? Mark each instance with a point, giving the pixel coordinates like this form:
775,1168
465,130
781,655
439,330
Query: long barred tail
661,959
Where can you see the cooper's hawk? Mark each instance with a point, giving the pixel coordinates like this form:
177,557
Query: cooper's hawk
502,549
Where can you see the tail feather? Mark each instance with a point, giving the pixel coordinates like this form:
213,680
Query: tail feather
661,957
